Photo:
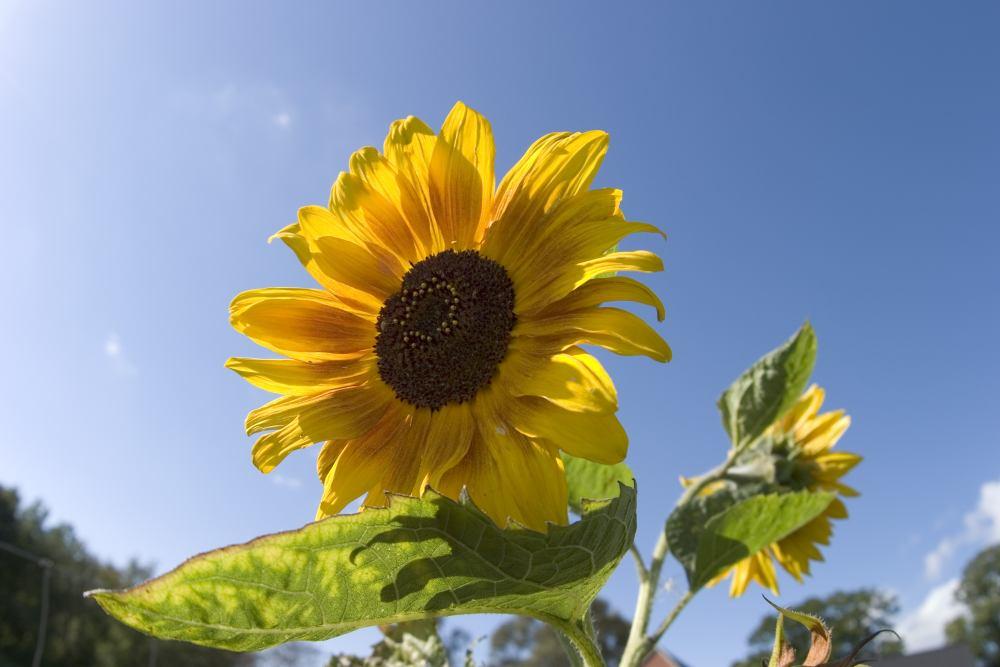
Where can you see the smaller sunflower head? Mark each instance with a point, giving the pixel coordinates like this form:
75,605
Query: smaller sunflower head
796,452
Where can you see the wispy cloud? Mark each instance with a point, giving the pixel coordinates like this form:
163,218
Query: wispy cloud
923,628
287,482
282,119
980,527
114,351
249,105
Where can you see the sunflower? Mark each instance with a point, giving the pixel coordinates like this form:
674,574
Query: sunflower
443,348
800,444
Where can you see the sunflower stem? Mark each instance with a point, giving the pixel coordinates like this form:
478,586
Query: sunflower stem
580,643
640,643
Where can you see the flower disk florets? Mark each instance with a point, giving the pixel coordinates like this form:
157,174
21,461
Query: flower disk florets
442,336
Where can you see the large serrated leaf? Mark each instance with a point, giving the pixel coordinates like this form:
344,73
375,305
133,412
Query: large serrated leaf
750,525
766,390
413,559
586,479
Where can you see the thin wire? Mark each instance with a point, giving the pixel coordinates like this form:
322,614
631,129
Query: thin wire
43,620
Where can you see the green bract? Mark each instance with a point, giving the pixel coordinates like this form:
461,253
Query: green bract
416,558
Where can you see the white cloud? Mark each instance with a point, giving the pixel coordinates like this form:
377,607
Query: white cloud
980,527
114,351
241,105
287,482
923,628
282,119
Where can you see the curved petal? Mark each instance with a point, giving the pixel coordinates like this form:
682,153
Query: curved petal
555,167
597,436
461,177
301,323
402,475
362,462
617,330
448,439
359,302
409,147
301,421
823,432
371,217
510,477
301,378
328,456
393,198
573,380
602,290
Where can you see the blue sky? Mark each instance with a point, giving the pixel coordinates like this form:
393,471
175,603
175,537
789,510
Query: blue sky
831,161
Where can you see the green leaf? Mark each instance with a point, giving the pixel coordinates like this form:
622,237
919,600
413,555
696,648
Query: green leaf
687,522
766,390
749,526
415,559
593,481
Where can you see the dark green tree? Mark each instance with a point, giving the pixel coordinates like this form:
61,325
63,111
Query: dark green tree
979,591
525,642
851,615
78,632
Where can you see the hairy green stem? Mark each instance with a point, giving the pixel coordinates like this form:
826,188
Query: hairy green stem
580,644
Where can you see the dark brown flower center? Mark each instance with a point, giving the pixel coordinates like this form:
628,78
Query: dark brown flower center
442,336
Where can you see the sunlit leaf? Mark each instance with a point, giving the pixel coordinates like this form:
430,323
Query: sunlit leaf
715,532
414,559
766,390
588,480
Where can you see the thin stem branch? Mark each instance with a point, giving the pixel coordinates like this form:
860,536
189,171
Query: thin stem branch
639,643
640,564
671,617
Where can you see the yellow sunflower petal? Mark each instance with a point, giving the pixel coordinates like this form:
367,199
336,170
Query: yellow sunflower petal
371,217
448,439
301,421
301,378
509,475
409,147
597,436
361,463
402,474
617,330
517,251
301,323
636,260
573,380
461,176
802,412
603,290
555,167
328,456
834,465
823,432
562,263
359,302
393,197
